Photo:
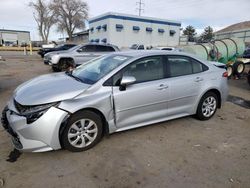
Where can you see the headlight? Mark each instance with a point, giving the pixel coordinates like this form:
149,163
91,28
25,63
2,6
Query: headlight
32,113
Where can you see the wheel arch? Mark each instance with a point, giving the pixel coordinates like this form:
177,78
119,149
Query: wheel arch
105,127
214,90
66,58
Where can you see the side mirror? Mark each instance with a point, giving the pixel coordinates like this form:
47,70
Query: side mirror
126,80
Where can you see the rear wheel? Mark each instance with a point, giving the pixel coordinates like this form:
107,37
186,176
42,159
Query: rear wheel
82,132
239,67
207,106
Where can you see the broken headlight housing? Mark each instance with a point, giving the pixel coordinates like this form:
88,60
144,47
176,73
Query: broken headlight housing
32,113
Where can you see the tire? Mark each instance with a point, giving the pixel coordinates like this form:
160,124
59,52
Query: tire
75,133
66,64
55,69
239,68
207,106
230,70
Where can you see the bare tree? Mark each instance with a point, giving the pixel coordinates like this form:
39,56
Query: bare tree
70,15
44,17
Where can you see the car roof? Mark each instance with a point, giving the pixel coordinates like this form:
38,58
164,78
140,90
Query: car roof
100,44
144,53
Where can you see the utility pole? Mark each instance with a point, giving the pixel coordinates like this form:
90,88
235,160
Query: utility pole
140,5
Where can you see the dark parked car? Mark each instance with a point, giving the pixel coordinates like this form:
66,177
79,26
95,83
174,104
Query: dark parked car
62,47
246,53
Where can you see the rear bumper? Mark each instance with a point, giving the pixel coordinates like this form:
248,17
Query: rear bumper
39,136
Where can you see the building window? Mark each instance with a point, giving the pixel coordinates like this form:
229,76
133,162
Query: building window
136,28
119,27
161,30
98,27
97,40
172,33
92,40
104,27
149,29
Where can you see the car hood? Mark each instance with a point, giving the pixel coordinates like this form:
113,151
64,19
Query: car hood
48,88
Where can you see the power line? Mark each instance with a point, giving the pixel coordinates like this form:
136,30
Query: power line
140,4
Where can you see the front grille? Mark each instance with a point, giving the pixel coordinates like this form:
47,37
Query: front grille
6,125
4,120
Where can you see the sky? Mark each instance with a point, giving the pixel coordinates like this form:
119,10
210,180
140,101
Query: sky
15,14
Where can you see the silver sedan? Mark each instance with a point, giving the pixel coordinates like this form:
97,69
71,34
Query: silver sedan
112,93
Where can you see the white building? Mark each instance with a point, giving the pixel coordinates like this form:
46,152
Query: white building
14,37
125,30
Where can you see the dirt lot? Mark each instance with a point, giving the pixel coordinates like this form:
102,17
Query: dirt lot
179,153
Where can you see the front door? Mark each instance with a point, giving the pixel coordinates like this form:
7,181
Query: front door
145,101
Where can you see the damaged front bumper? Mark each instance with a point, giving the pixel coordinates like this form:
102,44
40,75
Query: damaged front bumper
39,136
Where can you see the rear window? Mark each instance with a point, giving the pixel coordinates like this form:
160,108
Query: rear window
100,48
180,66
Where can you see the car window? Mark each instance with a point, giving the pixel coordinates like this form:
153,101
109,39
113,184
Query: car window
167,49
88,48
134,47
146,69
68,46
180,66
141,47
110,49
247,52
197,66
101,48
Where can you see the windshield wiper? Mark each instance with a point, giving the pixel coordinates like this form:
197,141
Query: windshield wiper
69,73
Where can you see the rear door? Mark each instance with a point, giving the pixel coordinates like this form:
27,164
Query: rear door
145,101
185,81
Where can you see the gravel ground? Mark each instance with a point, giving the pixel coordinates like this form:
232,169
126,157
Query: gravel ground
178,153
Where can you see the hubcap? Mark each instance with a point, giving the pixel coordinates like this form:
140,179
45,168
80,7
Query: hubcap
229,71
240,68
209,106
82,133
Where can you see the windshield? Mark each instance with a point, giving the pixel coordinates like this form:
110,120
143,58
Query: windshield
75,47
59,46
96,69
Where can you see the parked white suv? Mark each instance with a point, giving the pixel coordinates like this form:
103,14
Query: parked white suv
63,60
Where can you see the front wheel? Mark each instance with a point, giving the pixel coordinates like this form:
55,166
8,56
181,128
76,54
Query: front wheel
82,132
66,64
207,106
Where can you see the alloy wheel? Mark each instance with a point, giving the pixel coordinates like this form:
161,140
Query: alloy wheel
82,133
209,106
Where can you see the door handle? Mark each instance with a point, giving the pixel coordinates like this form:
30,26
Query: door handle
198,79
162,86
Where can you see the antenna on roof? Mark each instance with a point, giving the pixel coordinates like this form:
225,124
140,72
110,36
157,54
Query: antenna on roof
140,5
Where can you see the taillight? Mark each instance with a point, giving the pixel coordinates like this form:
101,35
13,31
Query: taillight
225,74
